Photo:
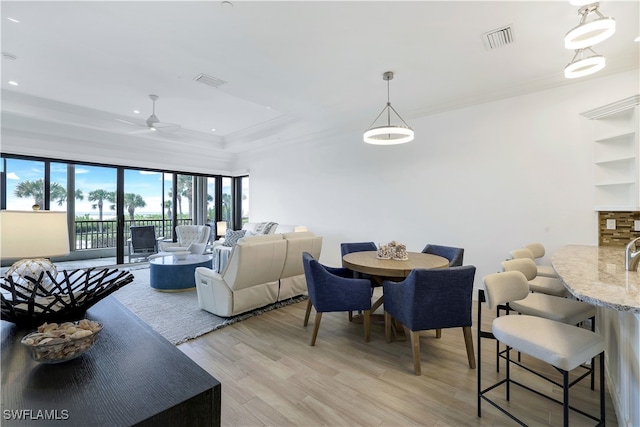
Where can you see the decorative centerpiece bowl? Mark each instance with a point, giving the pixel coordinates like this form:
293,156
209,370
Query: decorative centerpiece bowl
181,254
53,343
67,296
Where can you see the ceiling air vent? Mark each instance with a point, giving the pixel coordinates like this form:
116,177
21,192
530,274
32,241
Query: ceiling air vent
209,80
498,38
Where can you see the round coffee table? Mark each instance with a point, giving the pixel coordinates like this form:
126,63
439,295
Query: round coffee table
169,274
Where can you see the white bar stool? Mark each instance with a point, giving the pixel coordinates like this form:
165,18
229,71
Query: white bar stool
561,345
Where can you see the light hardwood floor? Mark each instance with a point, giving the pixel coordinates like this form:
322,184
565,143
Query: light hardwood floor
271,376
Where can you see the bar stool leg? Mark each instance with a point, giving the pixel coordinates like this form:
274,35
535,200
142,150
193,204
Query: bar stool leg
565,398
508,385
602,401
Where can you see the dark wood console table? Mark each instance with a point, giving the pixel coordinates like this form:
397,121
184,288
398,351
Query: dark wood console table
132,376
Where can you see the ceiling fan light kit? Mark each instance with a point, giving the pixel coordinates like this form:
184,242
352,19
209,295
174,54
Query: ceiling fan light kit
582,37
388,134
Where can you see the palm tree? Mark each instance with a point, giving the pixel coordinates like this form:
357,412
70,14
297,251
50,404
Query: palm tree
133,201
226,207
178,201
100,196
35,189
185,188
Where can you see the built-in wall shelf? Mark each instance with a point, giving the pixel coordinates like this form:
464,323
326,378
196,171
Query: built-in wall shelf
616,155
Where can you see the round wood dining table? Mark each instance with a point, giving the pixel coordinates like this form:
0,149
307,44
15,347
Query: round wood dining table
367,262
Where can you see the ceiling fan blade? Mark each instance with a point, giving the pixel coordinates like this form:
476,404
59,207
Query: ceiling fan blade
128,122
143,130
166,127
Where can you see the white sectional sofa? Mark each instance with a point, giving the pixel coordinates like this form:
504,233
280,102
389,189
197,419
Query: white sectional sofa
221,253
261,270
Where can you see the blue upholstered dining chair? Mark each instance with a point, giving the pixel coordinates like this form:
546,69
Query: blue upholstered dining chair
350,247
431,299
453,254
333,289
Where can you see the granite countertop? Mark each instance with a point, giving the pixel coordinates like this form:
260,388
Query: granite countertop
596,274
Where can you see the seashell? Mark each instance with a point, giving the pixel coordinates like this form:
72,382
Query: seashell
45,341
80,334
84,324
50,327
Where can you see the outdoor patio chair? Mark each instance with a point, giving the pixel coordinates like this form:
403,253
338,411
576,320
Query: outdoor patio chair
143,242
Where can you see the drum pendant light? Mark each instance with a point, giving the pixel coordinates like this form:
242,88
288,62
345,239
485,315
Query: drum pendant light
388,134
589,33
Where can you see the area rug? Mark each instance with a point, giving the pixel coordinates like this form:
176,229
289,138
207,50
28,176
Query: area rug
177,315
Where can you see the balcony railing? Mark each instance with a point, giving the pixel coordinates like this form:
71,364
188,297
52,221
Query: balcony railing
94,234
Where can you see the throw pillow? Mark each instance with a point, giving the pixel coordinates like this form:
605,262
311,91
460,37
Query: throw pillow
232,237
266,227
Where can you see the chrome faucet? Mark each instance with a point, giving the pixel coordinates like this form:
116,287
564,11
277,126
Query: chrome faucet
632,256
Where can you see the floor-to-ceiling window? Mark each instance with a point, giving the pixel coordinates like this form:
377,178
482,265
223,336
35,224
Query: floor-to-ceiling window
91,193
227,203
241,200
95,214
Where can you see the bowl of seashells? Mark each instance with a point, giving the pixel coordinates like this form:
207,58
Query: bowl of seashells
55,343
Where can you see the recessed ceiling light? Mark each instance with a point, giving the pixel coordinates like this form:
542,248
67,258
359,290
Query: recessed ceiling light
13,20
213,129
136,111
637,39
13,83
226,4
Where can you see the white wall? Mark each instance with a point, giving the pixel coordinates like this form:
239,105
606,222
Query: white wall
488,178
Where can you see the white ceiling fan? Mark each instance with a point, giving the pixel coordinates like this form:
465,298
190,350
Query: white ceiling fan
152,124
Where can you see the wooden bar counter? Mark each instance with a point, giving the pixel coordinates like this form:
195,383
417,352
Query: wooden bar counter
597,275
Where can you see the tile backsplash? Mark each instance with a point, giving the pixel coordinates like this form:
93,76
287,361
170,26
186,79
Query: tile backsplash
617,228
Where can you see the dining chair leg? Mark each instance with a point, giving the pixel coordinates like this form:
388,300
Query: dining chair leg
351,316
367,325
306,315
316,326
387,327
415,346
468,342
438,333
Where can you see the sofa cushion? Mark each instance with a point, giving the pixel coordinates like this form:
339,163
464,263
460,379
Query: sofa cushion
232,237
260,238
266,227
282,228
